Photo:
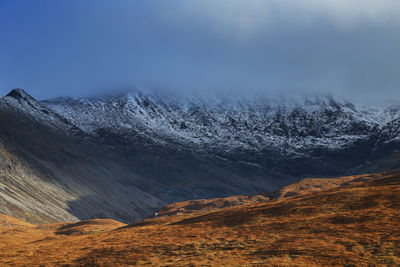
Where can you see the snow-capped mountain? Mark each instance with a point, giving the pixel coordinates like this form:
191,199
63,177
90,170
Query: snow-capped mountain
286,126
20,102
124,156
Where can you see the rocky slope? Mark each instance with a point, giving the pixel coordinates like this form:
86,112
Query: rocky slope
47,175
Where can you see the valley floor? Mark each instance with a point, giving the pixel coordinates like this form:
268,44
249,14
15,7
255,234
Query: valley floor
356,223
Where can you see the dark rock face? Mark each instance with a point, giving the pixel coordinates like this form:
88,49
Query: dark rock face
183,125
20,94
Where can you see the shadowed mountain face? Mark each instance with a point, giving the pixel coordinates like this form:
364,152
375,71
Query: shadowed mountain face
124,157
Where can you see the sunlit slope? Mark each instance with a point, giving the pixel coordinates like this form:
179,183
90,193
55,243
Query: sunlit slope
357,224
302,187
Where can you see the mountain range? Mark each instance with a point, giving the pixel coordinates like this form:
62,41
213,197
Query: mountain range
125,156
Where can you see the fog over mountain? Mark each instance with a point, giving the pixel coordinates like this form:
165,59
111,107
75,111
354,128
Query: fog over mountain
200,132
80,48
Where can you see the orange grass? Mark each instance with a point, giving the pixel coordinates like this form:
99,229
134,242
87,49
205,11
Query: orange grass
357,224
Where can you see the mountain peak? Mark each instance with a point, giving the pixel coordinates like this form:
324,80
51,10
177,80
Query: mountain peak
19,93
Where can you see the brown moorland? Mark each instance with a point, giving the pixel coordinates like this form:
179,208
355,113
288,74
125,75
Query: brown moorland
302,187
356,223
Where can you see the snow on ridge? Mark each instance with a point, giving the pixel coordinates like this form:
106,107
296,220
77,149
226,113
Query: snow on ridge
278,123
19,102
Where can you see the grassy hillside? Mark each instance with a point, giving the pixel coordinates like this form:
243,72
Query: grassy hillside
354,224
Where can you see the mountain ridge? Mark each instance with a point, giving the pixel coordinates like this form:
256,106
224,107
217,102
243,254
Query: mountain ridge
160,150
282,127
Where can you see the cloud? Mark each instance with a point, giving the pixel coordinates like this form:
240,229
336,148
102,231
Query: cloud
245,19
78,47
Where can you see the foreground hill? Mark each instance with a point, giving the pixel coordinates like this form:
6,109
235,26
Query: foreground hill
302,187
355,223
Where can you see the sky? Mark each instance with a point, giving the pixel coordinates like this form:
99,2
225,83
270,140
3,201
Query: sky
349,48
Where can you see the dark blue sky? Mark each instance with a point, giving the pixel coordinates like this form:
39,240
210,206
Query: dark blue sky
83,47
